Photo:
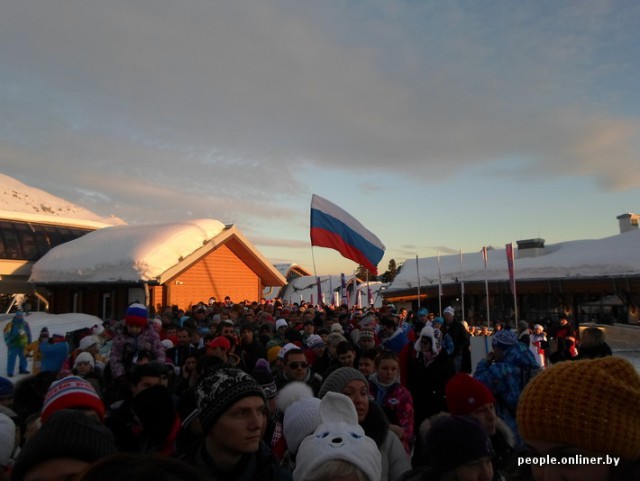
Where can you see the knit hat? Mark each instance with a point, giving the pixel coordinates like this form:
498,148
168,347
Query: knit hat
300,413
6,387
315,341
366,334
338,379
266,381
272,353
44,332
437,320
219,389
449,310
167,344
338,437
592,407
454,441
84,357
465,394
68,434
136,315
337,327
436,339
423,311
504,339
7,439
281,323
71,392
86,342
287,347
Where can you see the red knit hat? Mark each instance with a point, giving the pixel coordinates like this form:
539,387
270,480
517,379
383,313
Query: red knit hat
465,394
71,392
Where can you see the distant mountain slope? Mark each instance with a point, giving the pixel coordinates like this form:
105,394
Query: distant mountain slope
19,198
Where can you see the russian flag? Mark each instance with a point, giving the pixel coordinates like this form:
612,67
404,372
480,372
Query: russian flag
335,228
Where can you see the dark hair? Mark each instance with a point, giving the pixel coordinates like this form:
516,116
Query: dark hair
369,354
386,354
144,370
344,347
292,352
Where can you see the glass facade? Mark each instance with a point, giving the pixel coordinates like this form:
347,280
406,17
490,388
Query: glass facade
30,241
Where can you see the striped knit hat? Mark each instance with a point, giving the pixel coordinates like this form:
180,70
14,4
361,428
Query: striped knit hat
219,389
71,392
136,315
588,404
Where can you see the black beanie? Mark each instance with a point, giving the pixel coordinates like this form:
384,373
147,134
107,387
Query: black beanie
456,440
219,389
67,434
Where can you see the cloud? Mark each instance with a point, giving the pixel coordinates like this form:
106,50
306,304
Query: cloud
223,105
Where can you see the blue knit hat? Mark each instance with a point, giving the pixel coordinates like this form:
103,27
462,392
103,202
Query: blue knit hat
505,339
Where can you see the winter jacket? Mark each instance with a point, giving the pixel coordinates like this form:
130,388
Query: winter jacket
17,332
258,466
506,380
397,403
125,349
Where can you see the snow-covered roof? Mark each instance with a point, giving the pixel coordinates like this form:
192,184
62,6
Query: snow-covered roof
614,256
25,203
128,253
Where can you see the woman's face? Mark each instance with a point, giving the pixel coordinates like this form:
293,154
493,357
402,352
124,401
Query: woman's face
358,392
190,364
565,472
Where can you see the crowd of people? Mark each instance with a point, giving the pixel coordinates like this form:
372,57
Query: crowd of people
265,391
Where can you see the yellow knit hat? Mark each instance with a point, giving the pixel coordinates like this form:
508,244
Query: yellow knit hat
591,404
272,353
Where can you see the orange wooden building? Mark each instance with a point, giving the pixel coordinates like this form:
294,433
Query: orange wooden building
158,265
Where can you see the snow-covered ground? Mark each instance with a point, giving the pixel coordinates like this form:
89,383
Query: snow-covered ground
56,323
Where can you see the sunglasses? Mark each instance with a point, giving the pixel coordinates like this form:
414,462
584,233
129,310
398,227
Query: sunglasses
298,365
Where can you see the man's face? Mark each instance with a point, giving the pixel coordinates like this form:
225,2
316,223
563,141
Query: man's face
228,331
346,359
247,336
448,318
183,338
308,329
239,429
133,329
486,415
296,367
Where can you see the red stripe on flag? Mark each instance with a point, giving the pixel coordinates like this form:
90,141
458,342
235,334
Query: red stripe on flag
325,238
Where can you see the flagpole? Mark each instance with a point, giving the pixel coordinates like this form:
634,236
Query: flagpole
486,282
511,262
418,273
439,285
462,285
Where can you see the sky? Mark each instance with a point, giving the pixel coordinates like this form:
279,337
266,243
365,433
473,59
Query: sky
441,126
